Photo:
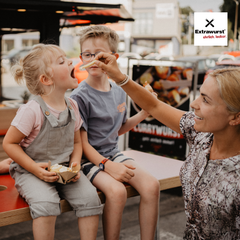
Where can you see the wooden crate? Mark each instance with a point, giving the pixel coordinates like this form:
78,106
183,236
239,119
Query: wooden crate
6,117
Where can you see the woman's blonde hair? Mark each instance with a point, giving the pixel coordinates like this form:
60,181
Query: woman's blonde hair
36,63
228,80
99,31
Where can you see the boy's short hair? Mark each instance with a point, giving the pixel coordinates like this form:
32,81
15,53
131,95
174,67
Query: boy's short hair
100,31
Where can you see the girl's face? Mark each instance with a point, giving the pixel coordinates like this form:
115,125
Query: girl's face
211,114
94,45
63,72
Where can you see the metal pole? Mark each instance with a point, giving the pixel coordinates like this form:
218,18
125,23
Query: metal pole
235,25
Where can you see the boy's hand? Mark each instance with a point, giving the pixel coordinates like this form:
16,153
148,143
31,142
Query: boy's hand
122,172
41,172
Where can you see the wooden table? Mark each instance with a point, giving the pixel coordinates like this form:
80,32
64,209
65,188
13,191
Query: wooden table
13,208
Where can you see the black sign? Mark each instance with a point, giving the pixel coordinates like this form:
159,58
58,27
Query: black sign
173,86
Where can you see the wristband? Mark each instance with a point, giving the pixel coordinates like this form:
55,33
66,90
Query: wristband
126,79
102,164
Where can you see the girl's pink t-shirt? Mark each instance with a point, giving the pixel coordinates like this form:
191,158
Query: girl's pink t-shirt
29,119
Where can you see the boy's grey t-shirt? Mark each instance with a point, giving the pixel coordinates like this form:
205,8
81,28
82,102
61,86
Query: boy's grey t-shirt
103,114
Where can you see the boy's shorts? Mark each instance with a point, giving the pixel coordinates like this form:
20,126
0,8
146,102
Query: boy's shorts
91,170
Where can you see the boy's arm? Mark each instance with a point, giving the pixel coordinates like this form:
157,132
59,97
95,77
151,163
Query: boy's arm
120,171
14,150
132,122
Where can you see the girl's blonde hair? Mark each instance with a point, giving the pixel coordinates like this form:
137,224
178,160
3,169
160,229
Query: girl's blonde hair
99,31
36,63
228,80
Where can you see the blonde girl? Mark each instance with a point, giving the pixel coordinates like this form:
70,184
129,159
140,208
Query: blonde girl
47,128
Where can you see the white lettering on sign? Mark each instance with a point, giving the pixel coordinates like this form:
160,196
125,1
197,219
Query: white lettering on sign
162,131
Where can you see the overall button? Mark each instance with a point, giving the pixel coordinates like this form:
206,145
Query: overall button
47,113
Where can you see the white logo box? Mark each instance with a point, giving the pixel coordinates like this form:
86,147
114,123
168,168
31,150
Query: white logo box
210,29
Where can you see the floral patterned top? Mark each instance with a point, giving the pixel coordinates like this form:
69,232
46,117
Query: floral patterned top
211,188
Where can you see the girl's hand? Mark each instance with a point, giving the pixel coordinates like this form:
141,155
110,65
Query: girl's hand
76,177
74,164
122,172
41,172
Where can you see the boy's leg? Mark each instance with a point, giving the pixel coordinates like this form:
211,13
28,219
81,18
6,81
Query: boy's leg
88,227
116,197
44,228
148,188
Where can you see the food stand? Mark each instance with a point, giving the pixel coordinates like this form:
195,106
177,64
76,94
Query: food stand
172,81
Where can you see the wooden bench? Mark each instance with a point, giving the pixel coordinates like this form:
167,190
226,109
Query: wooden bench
14,209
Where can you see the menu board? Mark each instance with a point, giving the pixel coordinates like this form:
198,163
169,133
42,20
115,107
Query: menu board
173,86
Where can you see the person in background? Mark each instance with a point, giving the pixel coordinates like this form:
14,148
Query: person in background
47,128
210,173
4,165
102,105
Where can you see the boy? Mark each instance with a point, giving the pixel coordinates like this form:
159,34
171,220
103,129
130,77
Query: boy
103,109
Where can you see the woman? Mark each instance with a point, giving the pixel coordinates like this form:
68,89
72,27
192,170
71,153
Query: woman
210,174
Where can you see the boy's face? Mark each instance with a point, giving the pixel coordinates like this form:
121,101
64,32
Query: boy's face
94,45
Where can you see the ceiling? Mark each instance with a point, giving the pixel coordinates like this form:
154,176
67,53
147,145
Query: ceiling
31,15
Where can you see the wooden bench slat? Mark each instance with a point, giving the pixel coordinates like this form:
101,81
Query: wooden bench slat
14,209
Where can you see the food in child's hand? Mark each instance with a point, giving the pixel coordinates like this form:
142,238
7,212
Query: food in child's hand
60,168
87,65
148,87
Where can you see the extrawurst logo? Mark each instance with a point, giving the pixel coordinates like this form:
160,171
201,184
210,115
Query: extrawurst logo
209,23
210,29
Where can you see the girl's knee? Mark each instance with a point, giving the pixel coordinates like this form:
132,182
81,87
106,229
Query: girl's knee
44,209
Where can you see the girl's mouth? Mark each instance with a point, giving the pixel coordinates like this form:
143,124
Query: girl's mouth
73,73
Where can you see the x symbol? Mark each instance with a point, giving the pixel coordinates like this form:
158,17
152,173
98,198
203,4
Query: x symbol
210,23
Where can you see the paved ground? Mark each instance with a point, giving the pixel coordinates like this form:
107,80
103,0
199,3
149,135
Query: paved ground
172,222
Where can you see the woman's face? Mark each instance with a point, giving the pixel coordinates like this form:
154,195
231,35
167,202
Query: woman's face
211,114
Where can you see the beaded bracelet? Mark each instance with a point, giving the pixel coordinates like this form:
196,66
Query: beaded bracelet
120,84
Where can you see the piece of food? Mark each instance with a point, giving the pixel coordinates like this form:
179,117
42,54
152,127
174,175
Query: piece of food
60,168
162,71
148,87
174,97
87,65
184,91
175,76
157,85
146,77
187,73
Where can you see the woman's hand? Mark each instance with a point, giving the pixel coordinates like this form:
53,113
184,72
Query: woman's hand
41,172
122,172
108,63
